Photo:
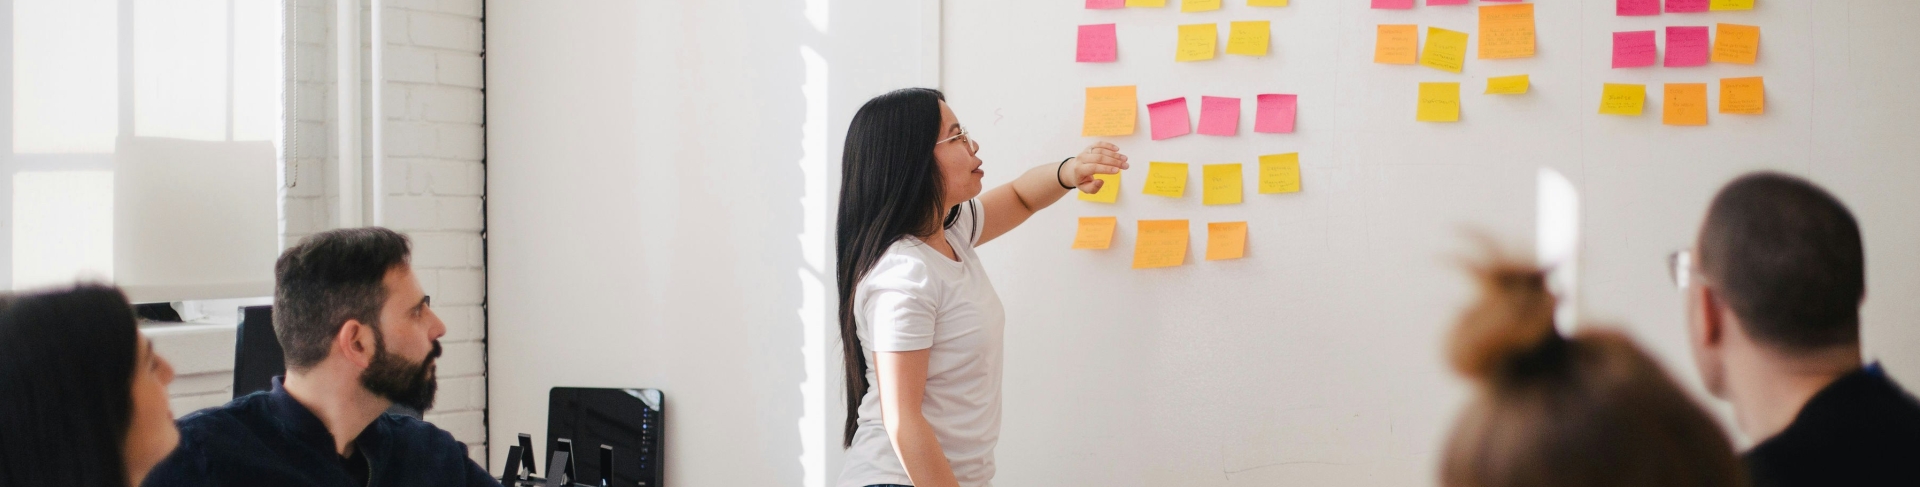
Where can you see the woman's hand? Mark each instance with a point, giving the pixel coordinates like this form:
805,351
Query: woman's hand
1099,158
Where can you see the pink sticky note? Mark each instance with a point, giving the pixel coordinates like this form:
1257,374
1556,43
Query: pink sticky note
1097,44
1431,3
1393,4
1502,1
1106,4
1637,7
1275,114
1687,46
1219,116
1686,6
1170,118
1634,49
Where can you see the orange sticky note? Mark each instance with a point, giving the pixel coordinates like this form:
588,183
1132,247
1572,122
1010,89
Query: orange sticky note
1686,104
1096,232
1160,243
1506,31
1623,99
1280,173
1109,189
1220,184
1111,110
1397,44
1743,96
1737,44
1446,50
1226,240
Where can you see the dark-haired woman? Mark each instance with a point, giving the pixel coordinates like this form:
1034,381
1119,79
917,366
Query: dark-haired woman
83,398
920,324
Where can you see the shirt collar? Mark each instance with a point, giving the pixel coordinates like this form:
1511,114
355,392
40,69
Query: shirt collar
304,427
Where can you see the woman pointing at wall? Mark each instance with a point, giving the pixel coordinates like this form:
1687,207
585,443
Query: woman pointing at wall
920,324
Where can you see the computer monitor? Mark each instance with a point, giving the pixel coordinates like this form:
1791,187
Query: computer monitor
628,420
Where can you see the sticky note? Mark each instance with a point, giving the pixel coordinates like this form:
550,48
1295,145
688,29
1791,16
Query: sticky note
1431,3
1219,116
1508,85
1393,4
1106,4
1196,42
1167,179
1275,113
1266,3
1097,44
1446,50
1686,104
1199,5
1730,5
1146,3
1623,99
1634,49
1226,240
1506,31
1743,96
1687,46
1109,189
1160,243
1439,102
1397,44
1096,232
1248,38
1280,173
1637,7
1111,110
1220,184
1686,6
1735,43
1169,118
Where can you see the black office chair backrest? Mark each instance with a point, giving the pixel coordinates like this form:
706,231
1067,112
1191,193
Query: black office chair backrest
257,357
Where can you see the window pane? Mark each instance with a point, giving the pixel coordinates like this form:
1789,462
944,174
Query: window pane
256,70
62,227
180,69
64,76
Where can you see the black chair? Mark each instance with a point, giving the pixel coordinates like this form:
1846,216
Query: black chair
257,357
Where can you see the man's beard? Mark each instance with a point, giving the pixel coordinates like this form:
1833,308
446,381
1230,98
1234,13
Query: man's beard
394,378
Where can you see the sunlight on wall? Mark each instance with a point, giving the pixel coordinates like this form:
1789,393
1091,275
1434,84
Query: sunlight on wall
814,279
62,227
64,74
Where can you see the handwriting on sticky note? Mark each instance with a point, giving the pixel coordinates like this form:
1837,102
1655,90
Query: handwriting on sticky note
1196,42
1167,179
1506,31
1220,184
1508,85
1266,3
1439,102
1219,116
1226,240
1730,5
1687,46
1146,3
1248,38
1106,4
1743,96
1160,243
1737,44
1623,99
1433,3
1393,4
1109,189
1686,6
1111,110
1634,49
1275,113
1097,44
1686,104
1446,50
1397,44
1169,118
1199,5
1096,232
1280,173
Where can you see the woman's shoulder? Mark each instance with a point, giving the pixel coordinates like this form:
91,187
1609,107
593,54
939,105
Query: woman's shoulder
902,267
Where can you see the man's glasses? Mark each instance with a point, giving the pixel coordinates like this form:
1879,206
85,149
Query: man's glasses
1680,268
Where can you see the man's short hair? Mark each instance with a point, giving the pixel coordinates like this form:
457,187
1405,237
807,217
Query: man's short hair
1786,257
329,278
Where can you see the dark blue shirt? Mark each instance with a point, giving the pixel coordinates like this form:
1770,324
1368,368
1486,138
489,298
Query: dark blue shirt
268,438
1860,430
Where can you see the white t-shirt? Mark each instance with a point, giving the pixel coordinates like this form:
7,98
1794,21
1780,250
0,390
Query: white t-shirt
916,298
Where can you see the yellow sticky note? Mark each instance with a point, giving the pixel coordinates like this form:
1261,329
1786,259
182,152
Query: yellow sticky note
1166,179
1396,44
1743,96
1280,173
1109,190
1226,240
1439,102
1266,3
1446,50
1730,5
1199,5
1196,42
1146,3
1506,31
1160,243
1686,104
1111,110
1507,85
1096,232
1220,184
1623,99
1248,38
1737,44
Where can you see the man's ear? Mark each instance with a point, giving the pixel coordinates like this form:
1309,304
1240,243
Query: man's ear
355,343
1713,322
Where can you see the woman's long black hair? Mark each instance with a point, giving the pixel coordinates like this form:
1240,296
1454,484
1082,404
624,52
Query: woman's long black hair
890,188
67,362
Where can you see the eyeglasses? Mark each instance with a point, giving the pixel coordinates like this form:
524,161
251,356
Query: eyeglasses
1680,268
972,146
